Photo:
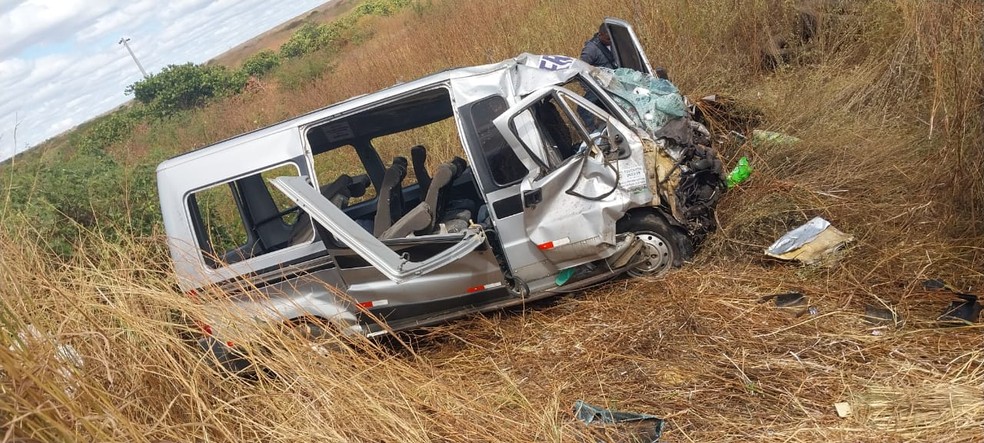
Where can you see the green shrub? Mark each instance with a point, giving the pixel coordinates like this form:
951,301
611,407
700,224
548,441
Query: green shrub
381,7
186,86
261,63
295,73
312,37
104,131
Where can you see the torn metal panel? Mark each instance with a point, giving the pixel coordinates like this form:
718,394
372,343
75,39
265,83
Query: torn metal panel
626,46
570,204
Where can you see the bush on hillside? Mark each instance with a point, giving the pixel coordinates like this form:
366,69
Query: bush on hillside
309,38
381,7
186,86
261,63
105,131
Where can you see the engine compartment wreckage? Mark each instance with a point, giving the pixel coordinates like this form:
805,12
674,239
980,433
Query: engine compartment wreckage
537,175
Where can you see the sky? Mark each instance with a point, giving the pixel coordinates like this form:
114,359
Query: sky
61,63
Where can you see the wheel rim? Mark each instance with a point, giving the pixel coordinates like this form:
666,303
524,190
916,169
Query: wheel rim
658,255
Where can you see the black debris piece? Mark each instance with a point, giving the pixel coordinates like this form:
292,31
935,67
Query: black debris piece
786,299
962,312
934,284
879,314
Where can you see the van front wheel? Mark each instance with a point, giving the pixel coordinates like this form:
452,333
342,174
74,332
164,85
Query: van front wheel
665,246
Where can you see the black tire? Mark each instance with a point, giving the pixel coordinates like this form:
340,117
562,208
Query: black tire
667,246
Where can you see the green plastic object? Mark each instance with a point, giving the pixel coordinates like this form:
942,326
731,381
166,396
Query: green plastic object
564,276
741,172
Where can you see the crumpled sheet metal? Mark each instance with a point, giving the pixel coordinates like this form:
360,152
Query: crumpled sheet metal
588,226
809,242
594,415
664,176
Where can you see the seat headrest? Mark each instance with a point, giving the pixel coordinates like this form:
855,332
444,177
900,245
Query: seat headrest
339,185
359,185
458,166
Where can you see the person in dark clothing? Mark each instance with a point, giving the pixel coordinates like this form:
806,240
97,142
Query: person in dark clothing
598,50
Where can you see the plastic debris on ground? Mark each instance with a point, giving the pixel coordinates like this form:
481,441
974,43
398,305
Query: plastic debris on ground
786,299
740,173
809,243
843,409
965,311
795,301
65,354
643,427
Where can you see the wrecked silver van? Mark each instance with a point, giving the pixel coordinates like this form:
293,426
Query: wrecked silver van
467,190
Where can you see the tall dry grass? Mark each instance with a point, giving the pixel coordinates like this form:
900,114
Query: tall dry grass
886,101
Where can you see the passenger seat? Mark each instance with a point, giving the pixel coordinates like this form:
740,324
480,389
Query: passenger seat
389,205
422,219
418,155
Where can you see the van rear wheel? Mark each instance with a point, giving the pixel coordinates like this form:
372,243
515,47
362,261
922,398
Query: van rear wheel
665,246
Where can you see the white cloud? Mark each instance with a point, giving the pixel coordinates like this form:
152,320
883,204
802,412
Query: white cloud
33,22
61,125
181,8
85,71
121,21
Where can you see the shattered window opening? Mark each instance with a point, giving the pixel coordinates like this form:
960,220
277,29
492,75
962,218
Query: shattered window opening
502,162
556,128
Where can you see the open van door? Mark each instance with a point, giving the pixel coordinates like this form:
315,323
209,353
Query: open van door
572,196
394,266
626,47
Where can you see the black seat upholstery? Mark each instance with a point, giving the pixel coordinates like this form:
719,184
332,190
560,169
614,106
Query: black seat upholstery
358,187
338,190
418,155
437,195
422,219
389,206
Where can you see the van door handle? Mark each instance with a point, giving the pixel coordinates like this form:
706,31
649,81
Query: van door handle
532,198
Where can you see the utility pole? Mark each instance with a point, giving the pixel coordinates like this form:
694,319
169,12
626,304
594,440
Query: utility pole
124,41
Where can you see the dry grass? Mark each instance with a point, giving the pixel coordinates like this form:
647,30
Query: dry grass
886,101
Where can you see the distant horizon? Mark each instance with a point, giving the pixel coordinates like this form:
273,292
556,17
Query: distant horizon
61,65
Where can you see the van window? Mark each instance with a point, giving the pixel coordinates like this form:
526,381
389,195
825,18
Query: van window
338,162
556,128
389,152
244,218
505,166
